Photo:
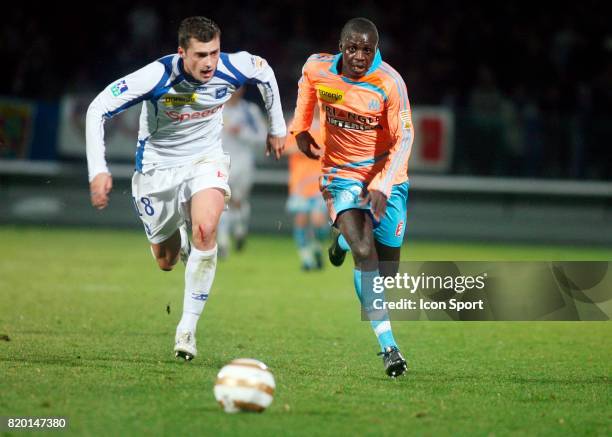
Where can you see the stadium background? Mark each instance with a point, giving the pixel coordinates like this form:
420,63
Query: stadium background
513,164
521,96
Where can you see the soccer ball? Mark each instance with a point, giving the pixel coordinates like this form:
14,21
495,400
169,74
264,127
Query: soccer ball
244,385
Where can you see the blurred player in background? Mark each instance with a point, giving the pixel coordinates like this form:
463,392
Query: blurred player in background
181,176
305,203
244,130
367,133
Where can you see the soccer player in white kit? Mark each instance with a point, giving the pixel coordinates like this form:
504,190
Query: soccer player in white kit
181,175
244,131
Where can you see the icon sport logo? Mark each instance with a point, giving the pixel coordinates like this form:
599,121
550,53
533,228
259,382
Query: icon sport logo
119,88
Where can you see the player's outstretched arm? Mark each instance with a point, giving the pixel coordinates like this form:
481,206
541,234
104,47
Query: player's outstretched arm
257,71
100,188
307,145
115,98
401,130
304,112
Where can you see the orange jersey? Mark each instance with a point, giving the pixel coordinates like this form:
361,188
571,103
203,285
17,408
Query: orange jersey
366,124
304,172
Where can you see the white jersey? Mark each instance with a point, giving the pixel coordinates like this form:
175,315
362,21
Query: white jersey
244,128
181,119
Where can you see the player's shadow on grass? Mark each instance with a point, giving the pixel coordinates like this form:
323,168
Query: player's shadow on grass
153,364
415,376
213,408
73,334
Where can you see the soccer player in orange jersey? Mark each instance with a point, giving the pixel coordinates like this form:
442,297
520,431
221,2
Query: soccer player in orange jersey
367,133
306,205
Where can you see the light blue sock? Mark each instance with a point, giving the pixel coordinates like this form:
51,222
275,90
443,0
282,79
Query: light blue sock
321,233
343,244
379,319
299,235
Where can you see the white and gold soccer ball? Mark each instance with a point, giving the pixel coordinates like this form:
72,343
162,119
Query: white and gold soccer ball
245,385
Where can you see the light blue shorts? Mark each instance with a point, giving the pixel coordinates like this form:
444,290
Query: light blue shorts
299,204
344,194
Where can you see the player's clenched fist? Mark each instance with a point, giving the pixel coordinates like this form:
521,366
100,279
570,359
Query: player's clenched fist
99,188
378,203
307,144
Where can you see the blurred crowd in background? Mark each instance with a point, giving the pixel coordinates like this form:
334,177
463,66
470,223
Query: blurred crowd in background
530,85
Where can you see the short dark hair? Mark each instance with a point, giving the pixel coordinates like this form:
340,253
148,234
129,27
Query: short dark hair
359,25
201,28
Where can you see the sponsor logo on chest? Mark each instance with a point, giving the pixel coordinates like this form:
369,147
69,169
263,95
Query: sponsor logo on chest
330,95
175,100
203,96
179,117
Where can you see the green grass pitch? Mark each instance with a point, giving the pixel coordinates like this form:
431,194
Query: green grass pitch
85,312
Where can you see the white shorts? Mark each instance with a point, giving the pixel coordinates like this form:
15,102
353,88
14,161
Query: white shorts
161,196
242,174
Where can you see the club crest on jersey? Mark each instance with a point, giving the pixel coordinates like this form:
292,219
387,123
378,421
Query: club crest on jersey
221,92
330,95
119,88
374,105
173,100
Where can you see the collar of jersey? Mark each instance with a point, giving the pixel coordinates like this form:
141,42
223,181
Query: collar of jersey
188,77
375,64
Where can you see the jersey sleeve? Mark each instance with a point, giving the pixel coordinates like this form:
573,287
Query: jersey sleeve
114,99
257,71
399,118
305,105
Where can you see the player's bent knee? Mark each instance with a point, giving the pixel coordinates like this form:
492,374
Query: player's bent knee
204,234
165,265
362,250
166,255
301,220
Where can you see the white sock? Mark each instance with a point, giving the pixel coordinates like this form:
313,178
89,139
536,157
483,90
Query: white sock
199,276
306,256
315,246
